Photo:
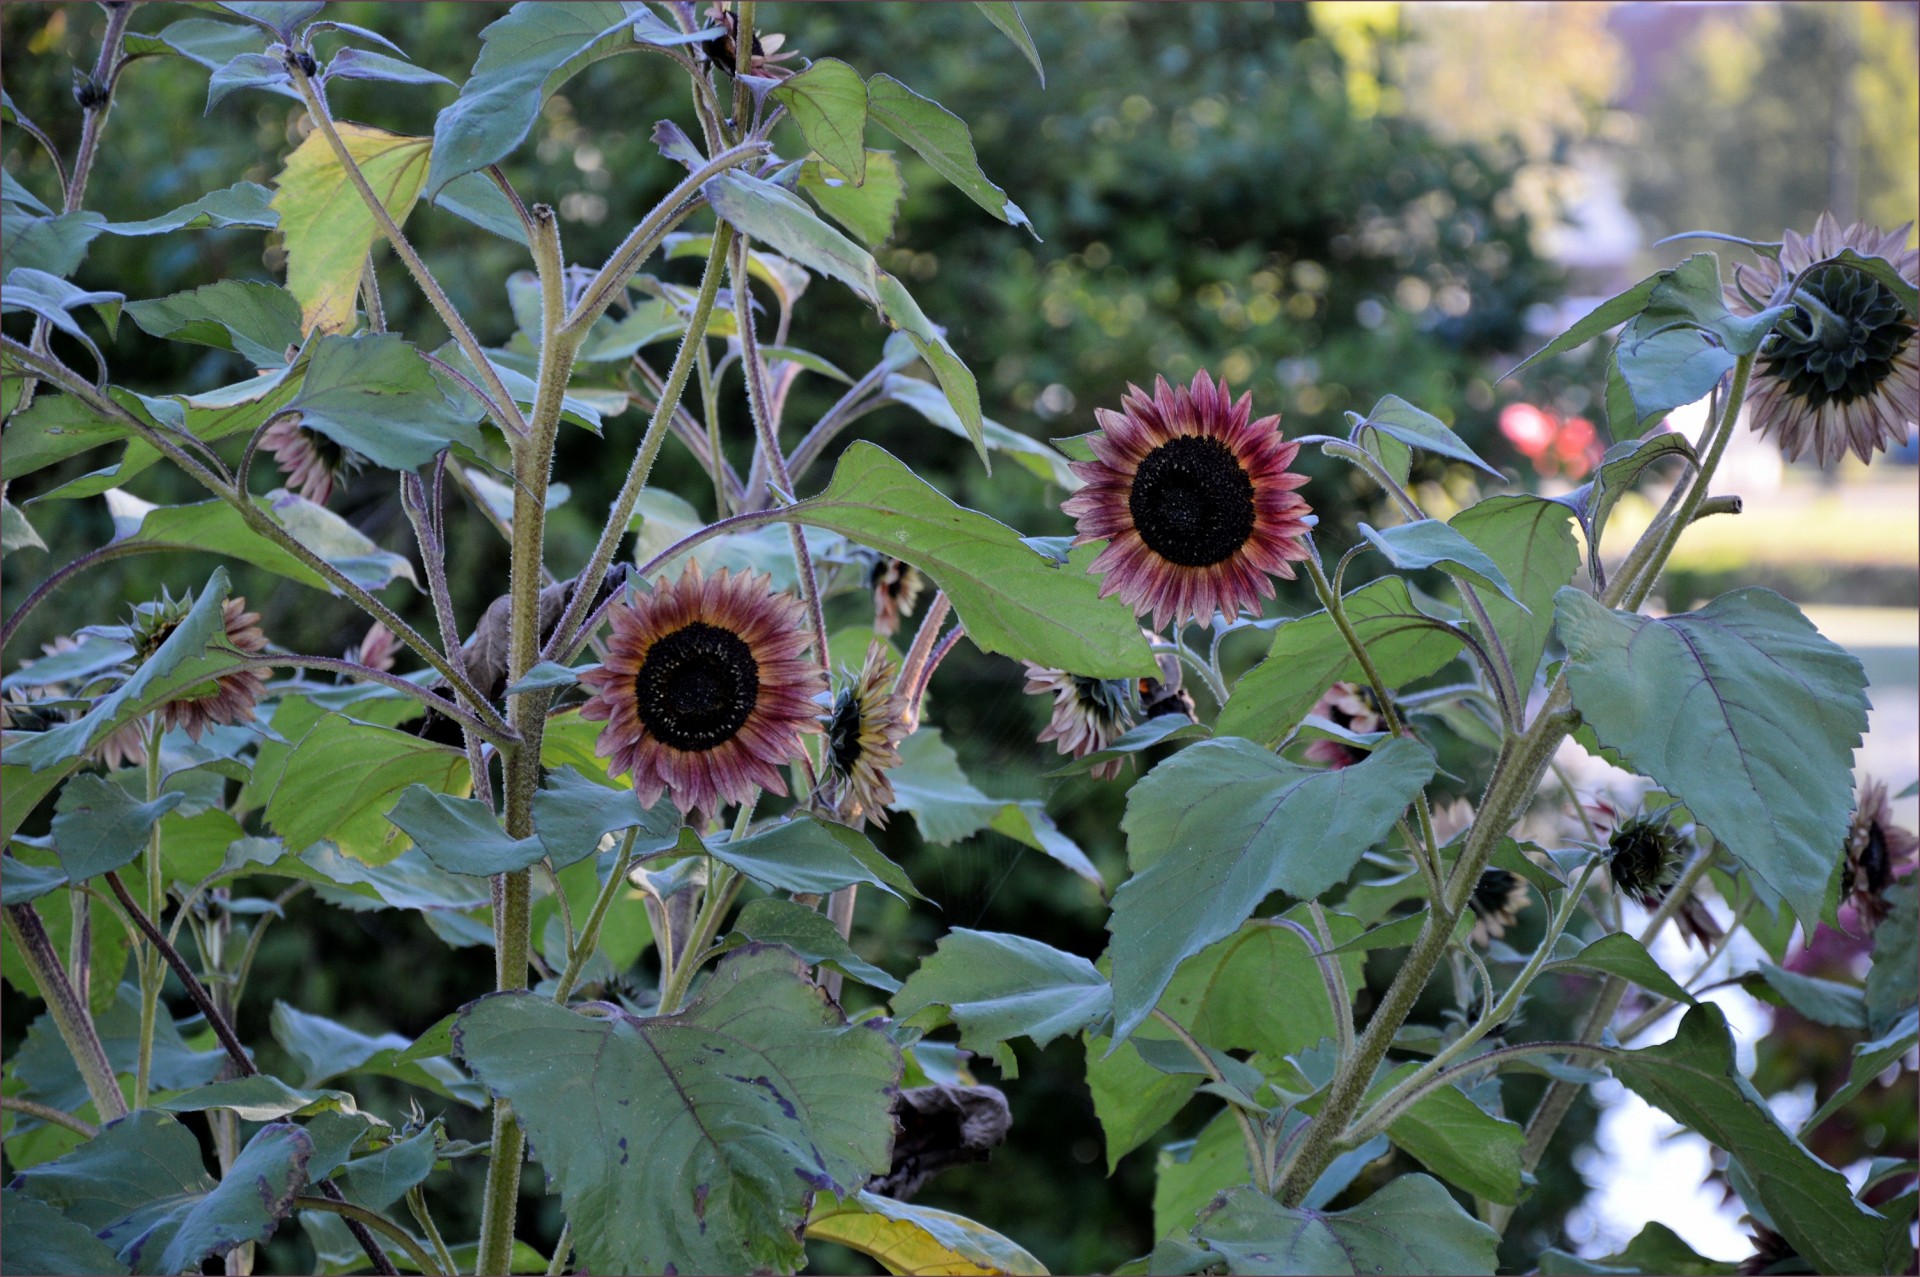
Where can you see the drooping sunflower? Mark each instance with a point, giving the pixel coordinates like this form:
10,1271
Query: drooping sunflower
704,692
864,730
1876,849
311,462
1644,857
1497,900
1088,713
1195,501
234,694
1354,707
896,586
1843,370
1165,694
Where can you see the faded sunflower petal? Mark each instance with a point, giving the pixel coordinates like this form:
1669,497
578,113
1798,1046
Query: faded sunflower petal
1089,714
234,694
1876,850
1194,499
864,731
1497,899
1843,371
704,692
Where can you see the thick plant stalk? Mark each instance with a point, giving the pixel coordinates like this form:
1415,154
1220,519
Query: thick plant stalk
69,1014
1517,774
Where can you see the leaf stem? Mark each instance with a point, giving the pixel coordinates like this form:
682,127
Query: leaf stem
417,1205
494,732
150,974
1256,1153
378,1223
47,1113
70,1015
589,937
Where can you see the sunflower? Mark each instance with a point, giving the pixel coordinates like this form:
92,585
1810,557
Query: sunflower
1194,500
896,586
377,650
311,462
1841,371
1497,899
1876,848
235,694
864,730
1088,713
703,690
1644,857
1164,695
1354,707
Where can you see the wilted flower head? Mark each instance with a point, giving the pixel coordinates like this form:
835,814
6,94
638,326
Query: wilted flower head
896,586
1497,899
1354,707
30,705
1876,848
762,59
234,694
864,730
1194,499
1089,714
1841,371
1644,856
704,692
311,462
1164,695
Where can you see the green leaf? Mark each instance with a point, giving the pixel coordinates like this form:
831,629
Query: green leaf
942,140
328,228
324,1050
1695,1079
813,856
54,245
572,813
380,1179
998,987
525,57
1870,1060
242,204
365,64
1411,1226
1191,1173
916,1239
738,1110
930,402
1663,368
341,778
461,835
769,214
216,526
1742,711
1658,1249
1613,312
1012,600
1214,830
946,807
186,660
828,101
259,1098
1132,1099
100,827
1893,984
1459,1141
1005,15
140,1187
211,44
282,17
473,197
256,321
1620,468
1828,1002
870,209
37,1238
1158,730
376,395
1886,273
1428,543
248,71
810,934
23,883
1620,955
15,532
955,378
1528,538
52,299
1396,417
1309,655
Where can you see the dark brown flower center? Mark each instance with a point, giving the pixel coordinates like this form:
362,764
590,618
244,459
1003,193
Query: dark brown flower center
843,732
1192,501
1641,860
1850,356
697,687
1492,892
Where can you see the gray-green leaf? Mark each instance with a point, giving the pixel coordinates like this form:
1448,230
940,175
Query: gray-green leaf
996,987
1411,1226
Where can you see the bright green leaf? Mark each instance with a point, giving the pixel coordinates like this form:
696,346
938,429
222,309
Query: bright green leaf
1458,1140
242,204
1214,830
1619,955
376,395
461,835
930,402
942,140
257,321
1428,543
1742,711
814,856
810,934
947,807
1530,541
1395,416
868,210
15,532
217,526
770,214
828,101
1613,312
738,1110
341,778
1005,15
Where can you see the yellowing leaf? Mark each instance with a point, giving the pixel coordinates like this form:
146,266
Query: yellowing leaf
918,1240
328,227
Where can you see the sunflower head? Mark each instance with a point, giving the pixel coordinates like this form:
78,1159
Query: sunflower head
1194,500
896,586
1354,707
704,692
1643,855
1088,713
1497,899
1164,695
235,694
1876,850
1841,371
864,730
311,463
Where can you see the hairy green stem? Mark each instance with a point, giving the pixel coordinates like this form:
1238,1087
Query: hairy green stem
589,937
417,1206
1257,1160
378,1223
151,976
47,1113
562,1251
70,1016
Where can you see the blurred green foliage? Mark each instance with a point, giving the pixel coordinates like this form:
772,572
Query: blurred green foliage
1211,190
